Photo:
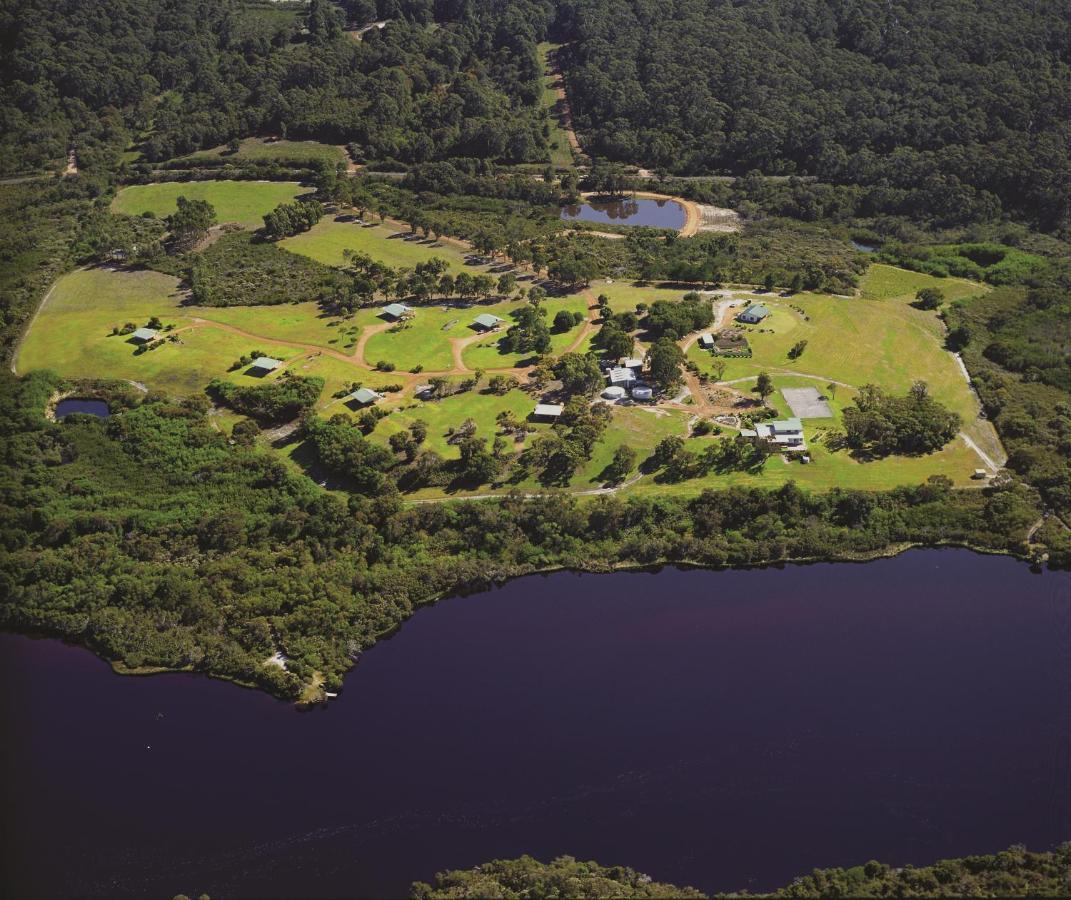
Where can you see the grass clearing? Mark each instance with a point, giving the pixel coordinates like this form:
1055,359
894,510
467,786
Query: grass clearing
883,282
305,153
326,241
561,154
245,202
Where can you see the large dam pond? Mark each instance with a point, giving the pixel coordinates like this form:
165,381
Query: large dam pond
629,211
726,730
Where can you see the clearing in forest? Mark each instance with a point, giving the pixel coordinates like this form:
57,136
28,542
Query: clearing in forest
245,202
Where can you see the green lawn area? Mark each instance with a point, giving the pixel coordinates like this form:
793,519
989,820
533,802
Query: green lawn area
326,241
425,338
883,282
304,323
561,154
486,354
244,202
887,342
261,150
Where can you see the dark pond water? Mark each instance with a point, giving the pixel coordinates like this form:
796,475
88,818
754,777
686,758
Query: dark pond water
91,407
723,729
653,213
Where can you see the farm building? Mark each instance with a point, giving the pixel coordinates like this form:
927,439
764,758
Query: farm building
754,314
706,341
642,392
486,322
144,335
785,434
363,397
396,311
547,412
264,364
622,376
630,363
614,392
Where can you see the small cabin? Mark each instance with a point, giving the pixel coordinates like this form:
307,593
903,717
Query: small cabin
395,312
754,314
262,365
487,322
143,335
363,397
706,341
547,412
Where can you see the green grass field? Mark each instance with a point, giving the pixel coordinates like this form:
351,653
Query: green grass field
561,154
244,202
261,150
326,241
883,282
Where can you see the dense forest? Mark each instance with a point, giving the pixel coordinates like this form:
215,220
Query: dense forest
951,110
1015,872
182,75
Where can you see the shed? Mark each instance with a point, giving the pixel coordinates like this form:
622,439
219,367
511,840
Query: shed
642,392
754,314
487,322
622,376
547,411
396,311
613,393
706,341
144,335
364,397
627,362
264,364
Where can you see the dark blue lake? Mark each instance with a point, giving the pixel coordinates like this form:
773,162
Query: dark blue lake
722,729
90,407
653,213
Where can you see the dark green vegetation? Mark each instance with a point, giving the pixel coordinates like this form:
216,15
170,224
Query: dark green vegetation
183,76
1015,872
878,424
153,540
994,263
950,110
281,400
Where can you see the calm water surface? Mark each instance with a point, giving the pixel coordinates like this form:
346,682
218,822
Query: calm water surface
721,729
653,213
91,407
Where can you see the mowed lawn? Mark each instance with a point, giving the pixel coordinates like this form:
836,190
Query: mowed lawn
326,241
245,202
72,334
855,341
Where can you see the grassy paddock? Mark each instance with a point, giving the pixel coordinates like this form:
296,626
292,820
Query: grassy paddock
244,202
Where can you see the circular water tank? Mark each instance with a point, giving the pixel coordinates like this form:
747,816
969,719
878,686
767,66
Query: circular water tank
642,393
613,393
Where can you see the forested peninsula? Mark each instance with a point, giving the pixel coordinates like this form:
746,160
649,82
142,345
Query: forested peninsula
847,139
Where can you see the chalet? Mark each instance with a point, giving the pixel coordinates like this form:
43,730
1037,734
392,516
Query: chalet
754,314
487,322
363,397
706,341
143,335
784,434
396,312
547,412
262,365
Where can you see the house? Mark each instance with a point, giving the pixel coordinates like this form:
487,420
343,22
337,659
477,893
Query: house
784,434
396,311
754,314
547,412
706,341
363,397
262,365
622,376
143,335
486,322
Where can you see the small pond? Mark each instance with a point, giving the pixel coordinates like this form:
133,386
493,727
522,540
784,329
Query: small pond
652,213
89,407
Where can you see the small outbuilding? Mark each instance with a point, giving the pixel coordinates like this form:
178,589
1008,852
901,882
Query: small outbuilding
363,397
486,322
628,362
547,412
754,314
262,365
396,311
143,335
642,392
614,392
706,341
